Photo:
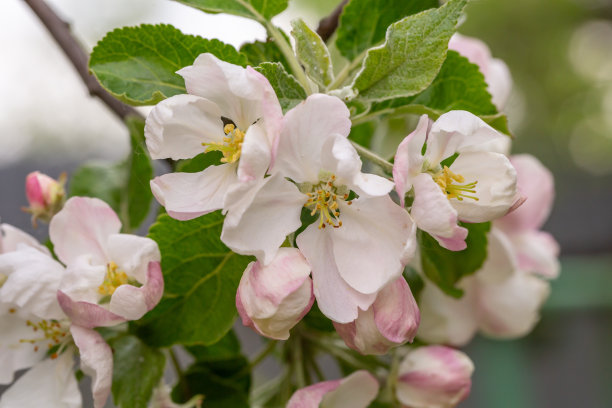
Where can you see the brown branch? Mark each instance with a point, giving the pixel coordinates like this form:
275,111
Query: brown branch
328,25
60,31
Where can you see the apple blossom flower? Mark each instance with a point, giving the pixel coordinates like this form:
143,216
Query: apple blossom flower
228,109
45,195
357,242
434,377
537,251
478,186
12,238
110,277
392,320
273,298
496,72
357,390
500,300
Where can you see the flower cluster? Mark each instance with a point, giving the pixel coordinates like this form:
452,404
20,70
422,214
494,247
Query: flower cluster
49,308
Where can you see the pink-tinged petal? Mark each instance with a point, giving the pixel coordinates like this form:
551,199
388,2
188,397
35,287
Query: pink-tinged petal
273,298
87,315
408,158
306,128
432,212
82,279
14,354
132,254
190,195
501,259
473,49
12,238
177,127
459,132
434,377
82,227
260,215
537,252
445,319
255,155
369,246
500,82
131,302
32,282
34,189
96,362
511,308
357,390
536,183
496,189
49,384
336,299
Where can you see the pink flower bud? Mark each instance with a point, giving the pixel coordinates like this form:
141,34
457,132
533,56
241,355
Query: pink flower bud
392,320
434,377
45,195
273,298
357,390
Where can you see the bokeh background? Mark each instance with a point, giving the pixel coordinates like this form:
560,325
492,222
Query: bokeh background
560,56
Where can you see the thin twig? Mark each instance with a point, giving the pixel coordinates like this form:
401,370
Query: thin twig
60,31
328,25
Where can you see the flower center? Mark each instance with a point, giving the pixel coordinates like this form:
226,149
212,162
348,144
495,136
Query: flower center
231,146
53,332
323,198
446,179
114,278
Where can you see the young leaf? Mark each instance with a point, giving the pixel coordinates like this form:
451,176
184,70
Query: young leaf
312,53
445,268
259,52
363,23
140,170
137,370
254,9
223,383
287,88
413,52
201,277
138,64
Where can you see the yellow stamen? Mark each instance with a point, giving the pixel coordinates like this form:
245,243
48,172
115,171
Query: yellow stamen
446,179
324,199
114,278
231,147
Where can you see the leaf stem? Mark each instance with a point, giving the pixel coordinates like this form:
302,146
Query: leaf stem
346,70
297,360
261,356
373,157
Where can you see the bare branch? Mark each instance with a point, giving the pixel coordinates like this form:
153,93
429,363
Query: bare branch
328,25
60,31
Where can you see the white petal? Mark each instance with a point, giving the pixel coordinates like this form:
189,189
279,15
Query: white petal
496,189
49,384
82,227
256,153
96,362
82,279
537,252
369,246
190,195
131,302
500,82
501,259
177,127
12,238
432,212
306,128
408,158
458,132
357,390
260,215
32,283
336,299
132,254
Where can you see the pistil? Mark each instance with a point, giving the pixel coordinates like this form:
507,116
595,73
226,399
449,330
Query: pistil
446,179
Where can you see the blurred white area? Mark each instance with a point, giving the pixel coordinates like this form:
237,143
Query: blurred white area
45,110
590,50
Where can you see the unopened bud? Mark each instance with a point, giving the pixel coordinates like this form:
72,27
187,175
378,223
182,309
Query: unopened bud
46,196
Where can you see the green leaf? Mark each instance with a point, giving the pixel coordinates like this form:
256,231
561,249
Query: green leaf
317,320
409,60
201,278
362,134
101,180
254,9
287,88
199,163
312,53
445,268
137,370
140,171
226,348
363,23
223,383
138,64
259,52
